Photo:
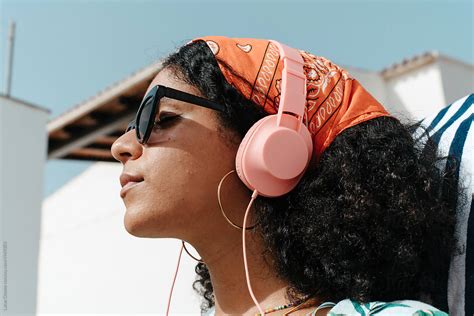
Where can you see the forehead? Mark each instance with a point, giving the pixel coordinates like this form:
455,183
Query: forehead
164,77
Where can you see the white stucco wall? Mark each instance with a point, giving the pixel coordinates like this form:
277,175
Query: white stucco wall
417,93
23,143
89,263
457,78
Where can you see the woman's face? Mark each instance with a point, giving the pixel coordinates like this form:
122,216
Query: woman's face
181,166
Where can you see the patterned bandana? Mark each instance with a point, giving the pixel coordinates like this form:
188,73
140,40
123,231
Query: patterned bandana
334,100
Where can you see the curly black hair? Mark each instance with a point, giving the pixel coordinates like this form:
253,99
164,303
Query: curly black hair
370,222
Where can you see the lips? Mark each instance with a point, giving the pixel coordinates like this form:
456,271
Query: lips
129,181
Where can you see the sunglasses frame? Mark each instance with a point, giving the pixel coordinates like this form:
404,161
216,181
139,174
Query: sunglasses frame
157,93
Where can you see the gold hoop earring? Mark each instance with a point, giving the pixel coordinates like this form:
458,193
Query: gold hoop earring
184,246
220,204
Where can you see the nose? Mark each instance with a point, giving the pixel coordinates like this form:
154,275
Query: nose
126,147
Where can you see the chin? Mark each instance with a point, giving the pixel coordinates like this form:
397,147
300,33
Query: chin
137,225
140,224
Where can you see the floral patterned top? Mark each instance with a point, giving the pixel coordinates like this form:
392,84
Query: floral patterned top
348,307
401,307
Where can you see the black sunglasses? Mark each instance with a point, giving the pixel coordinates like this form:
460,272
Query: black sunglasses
145,117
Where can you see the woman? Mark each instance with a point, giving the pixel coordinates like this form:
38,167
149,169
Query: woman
364,229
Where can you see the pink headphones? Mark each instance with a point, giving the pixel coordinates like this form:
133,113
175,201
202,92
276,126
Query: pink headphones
277,149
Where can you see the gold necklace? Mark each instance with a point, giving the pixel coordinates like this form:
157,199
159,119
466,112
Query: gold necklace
280,307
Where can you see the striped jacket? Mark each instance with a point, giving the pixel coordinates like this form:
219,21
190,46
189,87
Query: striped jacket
450,129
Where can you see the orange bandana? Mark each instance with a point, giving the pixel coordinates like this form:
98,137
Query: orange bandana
334,100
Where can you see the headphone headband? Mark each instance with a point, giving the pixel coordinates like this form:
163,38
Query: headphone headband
293,83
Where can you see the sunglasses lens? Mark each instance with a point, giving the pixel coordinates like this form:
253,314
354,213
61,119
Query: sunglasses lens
143,118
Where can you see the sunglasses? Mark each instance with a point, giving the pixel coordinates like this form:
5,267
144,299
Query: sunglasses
145,117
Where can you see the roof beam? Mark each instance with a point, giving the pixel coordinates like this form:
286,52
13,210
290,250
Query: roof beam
89,158
105,140
87,136
87,153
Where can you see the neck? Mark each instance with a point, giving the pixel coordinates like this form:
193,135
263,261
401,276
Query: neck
224,260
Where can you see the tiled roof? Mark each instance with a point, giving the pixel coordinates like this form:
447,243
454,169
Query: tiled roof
417,61
408,64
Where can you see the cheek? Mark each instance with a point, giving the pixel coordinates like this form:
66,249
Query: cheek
176,191
157,138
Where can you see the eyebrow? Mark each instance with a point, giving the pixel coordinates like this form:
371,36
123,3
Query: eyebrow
172,104
169,107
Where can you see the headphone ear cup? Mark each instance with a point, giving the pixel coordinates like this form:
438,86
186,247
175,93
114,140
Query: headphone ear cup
272,159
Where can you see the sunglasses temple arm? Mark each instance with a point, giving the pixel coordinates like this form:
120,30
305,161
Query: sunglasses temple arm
186,97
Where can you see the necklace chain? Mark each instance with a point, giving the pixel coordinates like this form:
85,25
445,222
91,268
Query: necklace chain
280,307
274,309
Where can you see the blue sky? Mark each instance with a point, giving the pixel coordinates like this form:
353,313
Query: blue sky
67,51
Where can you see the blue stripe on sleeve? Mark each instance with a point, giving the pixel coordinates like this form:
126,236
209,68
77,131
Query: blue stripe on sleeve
466,105
438,118
455,151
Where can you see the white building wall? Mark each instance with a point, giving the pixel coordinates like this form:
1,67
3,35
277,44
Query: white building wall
417,93
23,143
89,263
457,78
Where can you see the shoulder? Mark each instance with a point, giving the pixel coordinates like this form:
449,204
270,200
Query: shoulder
401,308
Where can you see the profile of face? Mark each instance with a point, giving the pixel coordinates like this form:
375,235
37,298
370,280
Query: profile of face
181,166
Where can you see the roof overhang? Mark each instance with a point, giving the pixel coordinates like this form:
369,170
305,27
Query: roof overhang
88,130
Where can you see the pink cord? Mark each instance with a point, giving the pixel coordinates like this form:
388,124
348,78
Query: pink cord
254,195
174,279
